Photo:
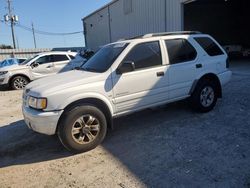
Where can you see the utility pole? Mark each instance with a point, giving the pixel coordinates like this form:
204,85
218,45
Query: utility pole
13,19
34,36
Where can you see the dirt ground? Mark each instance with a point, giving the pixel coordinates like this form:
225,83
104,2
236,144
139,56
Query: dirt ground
170,146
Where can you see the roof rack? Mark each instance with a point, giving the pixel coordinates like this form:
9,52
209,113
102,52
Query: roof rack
163,34
170,33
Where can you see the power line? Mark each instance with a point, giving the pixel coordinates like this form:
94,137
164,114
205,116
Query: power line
45,32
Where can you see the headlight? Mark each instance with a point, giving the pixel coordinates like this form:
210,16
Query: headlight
37,103
3,72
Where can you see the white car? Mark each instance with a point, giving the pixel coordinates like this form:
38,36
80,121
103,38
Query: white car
44,64
125,77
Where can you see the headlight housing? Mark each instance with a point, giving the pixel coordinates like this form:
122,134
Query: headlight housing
3,72
37,103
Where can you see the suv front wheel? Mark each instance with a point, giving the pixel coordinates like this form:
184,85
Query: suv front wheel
204,97
82,128
19,82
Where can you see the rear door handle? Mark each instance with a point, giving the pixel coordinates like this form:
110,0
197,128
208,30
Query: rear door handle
159,74
49,66
198,66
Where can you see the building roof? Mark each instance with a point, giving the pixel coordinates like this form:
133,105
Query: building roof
103,7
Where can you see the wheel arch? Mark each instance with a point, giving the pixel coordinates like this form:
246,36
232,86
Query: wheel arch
91,101
19,74
209,77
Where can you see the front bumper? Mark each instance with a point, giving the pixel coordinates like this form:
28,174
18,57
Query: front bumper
41,122
225,77
4,79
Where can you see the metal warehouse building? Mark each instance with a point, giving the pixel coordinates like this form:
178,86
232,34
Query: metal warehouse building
226,20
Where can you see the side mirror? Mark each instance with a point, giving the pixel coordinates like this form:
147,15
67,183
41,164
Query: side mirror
125,66
34,65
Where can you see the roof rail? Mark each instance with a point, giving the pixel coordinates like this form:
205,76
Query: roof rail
163,34
171,33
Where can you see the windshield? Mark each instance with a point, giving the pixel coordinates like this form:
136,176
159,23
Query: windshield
104,58
28,60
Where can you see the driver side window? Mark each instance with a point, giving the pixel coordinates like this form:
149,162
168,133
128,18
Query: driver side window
145,55
43,60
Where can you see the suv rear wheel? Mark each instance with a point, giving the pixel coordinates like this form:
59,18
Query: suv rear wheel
204,97
82,128
19,82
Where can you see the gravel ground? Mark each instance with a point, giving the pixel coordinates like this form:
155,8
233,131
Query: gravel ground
170,146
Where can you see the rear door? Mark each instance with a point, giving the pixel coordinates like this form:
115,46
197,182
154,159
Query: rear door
147,84
183,67
61,63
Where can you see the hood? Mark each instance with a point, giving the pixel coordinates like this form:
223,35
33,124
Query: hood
13,67
62,81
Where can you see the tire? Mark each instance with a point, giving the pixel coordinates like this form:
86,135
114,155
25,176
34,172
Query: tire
204,97
18,82
82,128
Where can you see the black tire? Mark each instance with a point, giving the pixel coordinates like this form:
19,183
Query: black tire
72,141
18,82
198,102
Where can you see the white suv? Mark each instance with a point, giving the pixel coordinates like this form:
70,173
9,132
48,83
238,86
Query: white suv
124,77
44,64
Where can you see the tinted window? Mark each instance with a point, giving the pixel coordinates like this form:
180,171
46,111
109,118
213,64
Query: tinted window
21,61
60,58
44,59
72,57
145,55
209,46
104,58
180,50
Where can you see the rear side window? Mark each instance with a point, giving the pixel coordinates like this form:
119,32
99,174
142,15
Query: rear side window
60,58
145,55
180,50
209,46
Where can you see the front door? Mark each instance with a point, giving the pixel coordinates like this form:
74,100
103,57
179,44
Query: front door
43,67
144,86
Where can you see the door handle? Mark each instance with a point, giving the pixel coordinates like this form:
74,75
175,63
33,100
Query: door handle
159,74
198,66
49,66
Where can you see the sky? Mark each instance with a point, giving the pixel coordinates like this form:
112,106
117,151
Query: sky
57,16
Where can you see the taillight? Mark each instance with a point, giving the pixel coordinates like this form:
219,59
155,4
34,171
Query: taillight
227,63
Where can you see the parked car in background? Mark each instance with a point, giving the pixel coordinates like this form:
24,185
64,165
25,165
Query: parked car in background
125,77
11,61
17,76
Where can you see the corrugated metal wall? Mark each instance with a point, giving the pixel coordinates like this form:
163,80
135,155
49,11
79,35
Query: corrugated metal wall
20,53
97,29
147,16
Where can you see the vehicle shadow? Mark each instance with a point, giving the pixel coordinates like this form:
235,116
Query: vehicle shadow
4,88
19,145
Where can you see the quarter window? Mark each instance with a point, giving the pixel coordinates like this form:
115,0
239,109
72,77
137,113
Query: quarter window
72,57
180,50
209,46
145,55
